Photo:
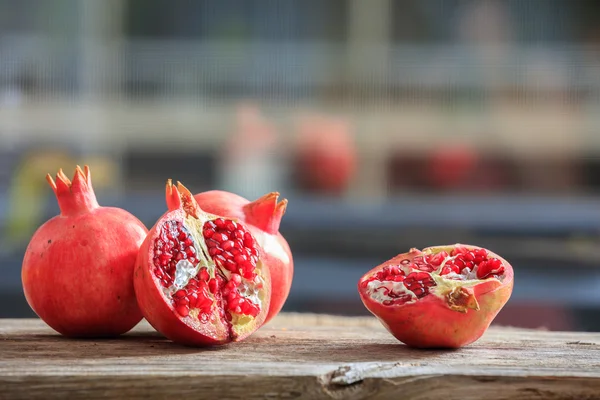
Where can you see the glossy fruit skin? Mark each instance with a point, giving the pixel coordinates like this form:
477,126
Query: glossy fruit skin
430,323
77,271
155,306
262,217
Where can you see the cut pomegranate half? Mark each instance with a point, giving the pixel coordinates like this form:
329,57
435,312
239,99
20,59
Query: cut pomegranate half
443,296
199,278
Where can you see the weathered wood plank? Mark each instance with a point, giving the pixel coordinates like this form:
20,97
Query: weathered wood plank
298,356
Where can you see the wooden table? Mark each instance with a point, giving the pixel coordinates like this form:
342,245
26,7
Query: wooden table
298,357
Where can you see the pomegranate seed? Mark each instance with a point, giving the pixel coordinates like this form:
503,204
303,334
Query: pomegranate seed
210,224
183,310
248,274
204,300
212,285
180,293
232,296
183,301
236,279
193,298
227,245
220,237
230,265
203,275
240,259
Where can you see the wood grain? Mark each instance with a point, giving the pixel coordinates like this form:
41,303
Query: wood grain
298,356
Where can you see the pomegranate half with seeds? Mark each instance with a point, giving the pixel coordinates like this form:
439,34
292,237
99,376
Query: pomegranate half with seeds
441,297
199,278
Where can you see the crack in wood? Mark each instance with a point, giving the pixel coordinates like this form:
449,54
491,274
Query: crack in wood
583,343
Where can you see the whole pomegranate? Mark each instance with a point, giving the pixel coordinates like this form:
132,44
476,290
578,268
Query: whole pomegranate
326,154
200,279
452,167
78,267
441,297
262,217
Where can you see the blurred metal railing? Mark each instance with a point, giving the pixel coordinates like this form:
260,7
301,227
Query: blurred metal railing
54,66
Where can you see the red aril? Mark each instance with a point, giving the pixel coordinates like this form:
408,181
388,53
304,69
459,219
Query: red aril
262,217
444,296
78,267
200,278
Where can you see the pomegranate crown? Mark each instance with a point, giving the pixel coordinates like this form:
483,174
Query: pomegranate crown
266,212
180,197
74,196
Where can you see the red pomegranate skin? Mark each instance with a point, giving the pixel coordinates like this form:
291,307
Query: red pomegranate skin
430,323
263,217
77,272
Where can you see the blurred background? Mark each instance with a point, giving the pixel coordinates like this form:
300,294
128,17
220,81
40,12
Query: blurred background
387,124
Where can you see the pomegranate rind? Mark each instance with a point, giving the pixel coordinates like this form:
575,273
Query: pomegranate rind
160,313
78,266
430,322
262,217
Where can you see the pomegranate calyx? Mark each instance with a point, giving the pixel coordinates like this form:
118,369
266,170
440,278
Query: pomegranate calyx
74,197
172,196
188,202
266,212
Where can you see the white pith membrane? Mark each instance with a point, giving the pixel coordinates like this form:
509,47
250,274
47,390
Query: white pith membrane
452,287
250,289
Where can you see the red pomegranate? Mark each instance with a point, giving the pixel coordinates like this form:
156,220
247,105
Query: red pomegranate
326,159
262,217
452,167
442,297
200,278
78,267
